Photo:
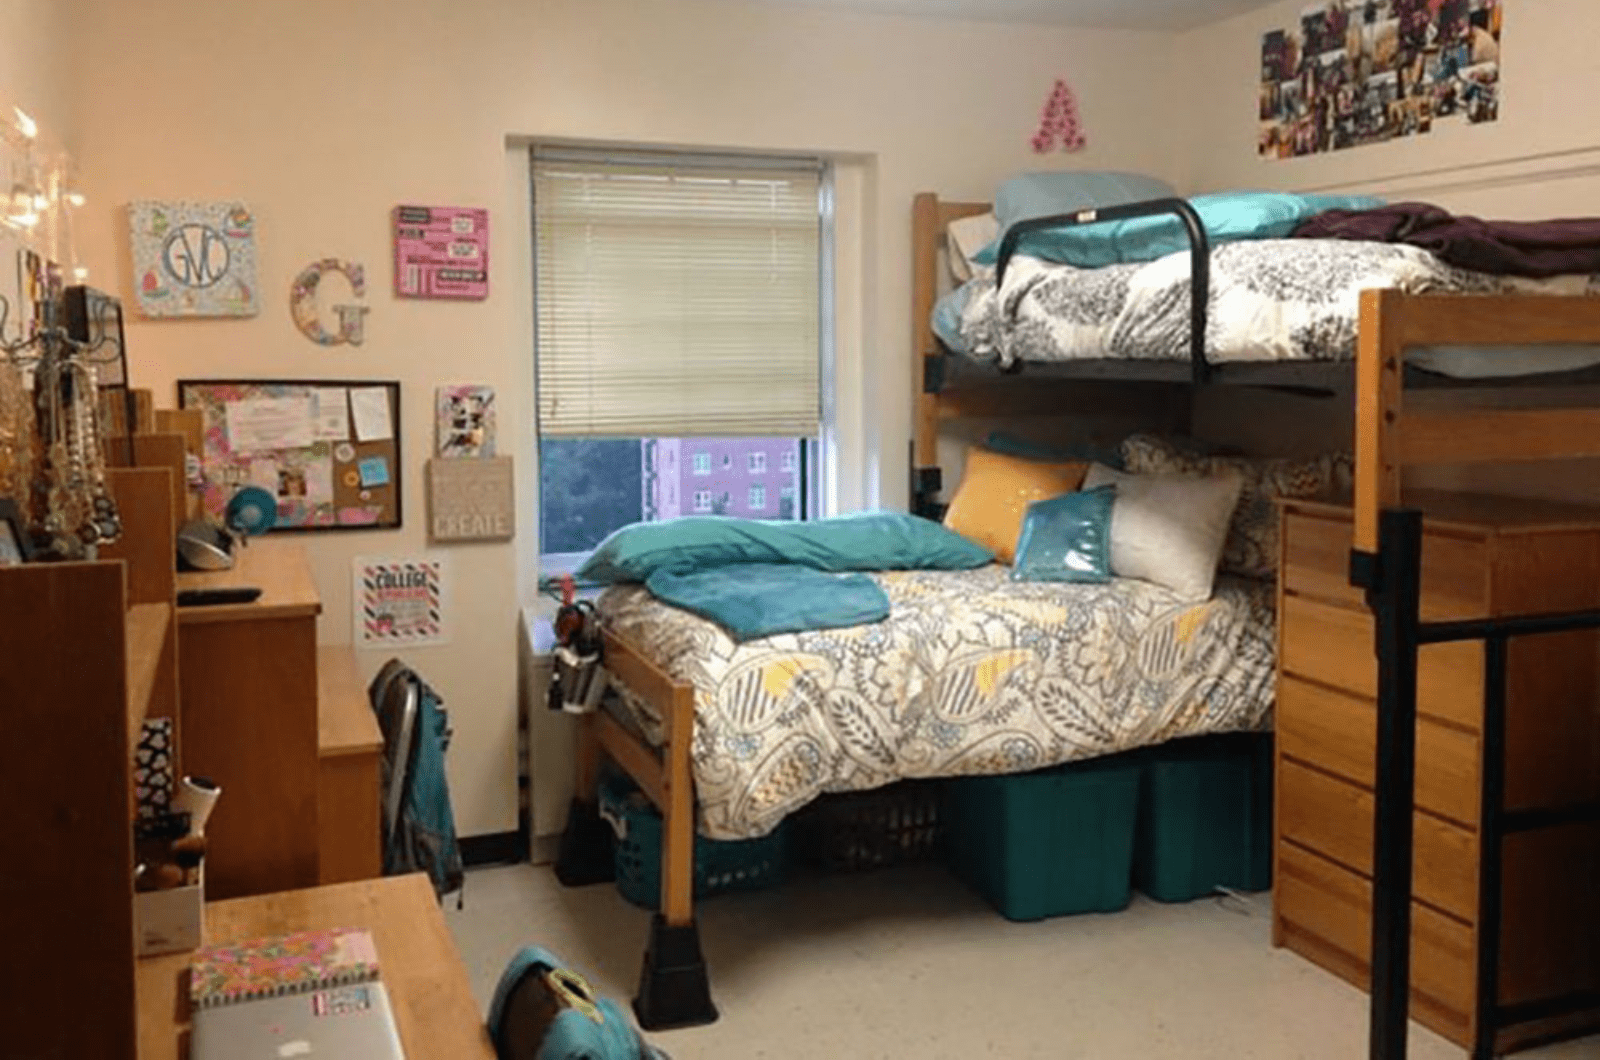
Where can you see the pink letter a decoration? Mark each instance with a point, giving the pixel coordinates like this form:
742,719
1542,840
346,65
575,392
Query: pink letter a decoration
1059,123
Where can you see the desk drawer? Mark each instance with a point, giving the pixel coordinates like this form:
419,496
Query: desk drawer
1333,646
1338,732
1335,819
1316,562
1316,897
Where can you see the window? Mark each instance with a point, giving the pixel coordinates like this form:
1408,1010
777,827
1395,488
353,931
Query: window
679,324
758,498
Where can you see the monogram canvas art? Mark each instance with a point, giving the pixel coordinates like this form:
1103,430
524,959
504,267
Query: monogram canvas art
194,259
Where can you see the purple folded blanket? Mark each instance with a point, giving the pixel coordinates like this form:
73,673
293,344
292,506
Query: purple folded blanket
1508,248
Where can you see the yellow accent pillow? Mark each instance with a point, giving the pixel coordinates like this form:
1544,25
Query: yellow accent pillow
995,492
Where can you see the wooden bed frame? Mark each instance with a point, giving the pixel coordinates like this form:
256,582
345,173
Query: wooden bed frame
674,988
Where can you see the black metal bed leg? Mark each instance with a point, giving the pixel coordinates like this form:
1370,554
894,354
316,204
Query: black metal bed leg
1395,598
1491,850
674,987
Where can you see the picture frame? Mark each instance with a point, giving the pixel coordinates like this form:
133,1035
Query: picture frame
15,548
93,316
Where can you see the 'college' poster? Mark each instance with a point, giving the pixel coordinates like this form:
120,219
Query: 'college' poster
400,602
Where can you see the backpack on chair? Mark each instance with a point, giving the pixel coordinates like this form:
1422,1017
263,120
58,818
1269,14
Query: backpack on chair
542,1011
419,828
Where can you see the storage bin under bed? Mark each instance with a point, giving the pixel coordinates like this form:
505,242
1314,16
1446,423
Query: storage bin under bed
1181,820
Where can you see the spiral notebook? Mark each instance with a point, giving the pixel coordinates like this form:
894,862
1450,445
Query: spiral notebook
309,994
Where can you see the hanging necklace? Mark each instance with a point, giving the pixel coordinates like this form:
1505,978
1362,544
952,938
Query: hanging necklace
16,434
78,511
102,523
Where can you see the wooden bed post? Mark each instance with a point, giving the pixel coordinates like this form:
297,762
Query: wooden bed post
1380,379
586,781
924,291
674,987
925,233
677,850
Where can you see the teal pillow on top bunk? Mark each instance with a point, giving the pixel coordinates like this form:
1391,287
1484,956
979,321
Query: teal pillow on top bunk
869,541
1045,194
1067,539
1229,217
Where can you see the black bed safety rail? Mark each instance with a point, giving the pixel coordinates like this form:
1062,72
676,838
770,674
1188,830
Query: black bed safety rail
1199,257
1392,581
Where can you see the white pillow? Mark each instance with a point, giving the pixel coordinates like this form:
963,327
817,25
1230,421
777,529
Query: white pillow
1169,529
965,238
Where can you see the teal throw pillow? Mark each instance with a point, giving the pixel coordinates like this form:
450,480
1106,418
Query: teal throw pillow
1067,539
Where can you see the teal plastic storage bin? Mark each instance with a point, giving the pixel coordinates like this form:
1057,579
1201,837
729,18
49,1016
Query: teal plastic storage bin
1049,843
719,867
1205,817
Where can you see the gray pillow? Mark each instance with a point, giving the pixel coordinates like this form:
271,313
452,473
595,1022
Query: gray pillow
1169,529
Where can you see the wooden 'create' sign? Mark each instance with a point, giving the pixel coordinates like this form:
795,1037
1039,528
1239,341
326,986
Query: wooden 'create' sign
471,500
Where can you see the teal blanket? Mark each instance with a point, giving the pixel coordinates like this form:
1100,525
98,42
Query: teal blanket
752,600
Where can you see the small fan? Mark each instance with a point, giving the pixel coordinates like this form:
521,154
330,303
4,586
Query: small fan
203,545
251,512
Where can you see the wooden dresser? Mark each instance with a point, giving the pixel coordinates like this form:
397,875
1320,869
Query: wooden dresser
1481,556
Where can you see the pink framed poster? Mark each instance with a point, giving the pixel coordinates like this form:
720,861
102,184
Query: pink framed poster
441,252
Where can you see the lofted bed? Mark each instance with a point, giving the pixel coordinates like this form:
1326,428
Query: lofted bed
1391,436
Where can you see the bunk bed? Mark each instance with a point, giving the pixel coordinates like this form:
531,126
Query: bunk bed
674,986
1386,558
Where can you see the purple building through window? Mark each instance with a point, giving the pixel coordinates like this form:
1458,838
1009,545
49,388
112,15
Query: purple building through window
753,478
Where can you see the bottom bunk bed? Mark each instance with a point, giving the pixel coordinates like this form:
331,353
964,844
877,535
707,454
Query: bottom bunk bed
971,674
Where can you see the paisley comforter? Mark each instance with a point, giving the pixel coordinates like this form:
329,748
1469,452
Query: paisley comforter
1271,300
971,673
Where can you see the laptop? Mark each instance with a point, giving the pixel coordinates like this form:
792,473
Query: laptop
351,1022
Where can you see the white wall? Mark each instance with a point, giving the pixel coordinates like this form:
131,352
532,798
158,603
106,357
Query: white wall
34,72
1541,159
325,115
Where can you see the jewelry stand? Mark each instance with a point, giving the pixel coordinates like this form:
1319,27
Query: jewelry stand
51,457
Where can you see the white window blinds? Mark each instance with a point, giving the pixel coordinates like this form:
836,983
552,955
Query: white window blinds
676,300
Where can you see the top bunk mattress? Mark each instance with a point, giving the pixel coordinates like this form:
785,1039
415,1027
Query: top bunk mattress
971,673
1272,300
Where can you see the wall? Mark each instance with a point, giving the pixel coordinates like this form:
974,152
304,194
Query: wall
1541,159
324,116
34,70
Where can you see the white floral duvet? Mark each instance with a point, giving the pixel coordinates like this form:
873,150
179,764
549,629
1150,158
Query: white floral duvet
971,673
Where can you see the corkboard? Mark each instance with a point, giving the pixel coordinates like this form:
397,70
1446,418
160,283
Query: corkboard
336,480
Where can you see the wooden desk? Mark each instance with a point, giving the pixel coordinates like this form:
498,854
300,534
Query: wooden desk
422,972
349,746
249,720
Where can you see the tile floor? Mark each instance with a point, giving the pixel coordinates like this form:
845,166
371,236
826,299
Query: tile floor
908,963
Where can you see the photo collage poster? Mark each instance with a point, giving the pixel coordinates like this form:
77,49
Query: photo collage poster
1357,72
